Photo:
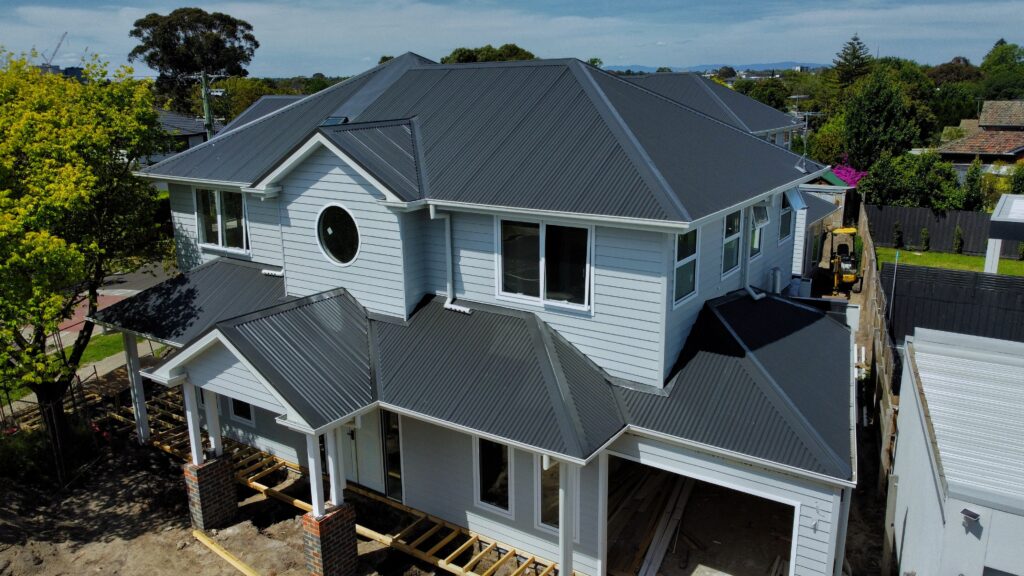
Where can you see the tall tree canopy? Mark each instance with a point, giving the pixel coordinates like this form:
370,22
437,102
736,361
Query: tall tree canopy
488,53
851,62
1003,68
726,72
772,92
189,41
912,180
71,212
959,69
879,118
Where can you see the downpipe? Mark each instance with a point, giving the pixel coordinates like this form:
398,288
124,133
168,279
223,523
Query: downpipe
449,303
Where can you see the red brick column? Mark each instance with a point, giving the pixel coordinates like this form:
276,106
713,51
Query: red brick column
330,542
212,500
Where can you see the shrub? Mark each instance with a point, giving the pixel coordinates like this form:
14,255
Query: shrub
897,235
1020,250
925,240
958,240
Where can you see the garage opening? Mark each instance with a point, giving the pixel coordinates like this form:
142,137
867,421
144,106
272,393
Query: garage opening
668,524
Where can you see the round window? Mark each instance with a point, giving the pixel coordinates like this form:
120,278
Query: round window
338,234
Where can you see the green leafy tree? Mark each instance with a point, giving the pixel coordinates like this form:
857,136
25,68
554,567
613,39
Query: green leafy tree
852,62
959,69
1017,180
726,72
772,92
662,70
1003,68
828,143
239,94
920,91
385,58
488,53
71,212
744,86
954,101
595,62
912,180
879,118
189,42
973,191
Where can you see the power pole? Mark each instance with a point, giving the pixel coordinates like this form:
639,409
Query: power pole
207,113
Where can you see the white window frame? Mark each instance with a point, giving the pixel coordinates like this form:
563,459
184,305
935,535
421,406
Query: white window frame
783,214
696,269
383,456
511,512
538,467
251,421
200,233
541,300
739,235
320,245
759,231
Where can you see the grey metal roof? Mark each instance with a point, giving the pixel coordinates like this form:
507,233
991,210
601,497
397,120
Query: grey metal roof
975,404
818,208
974,303
314,351
260,108
183,124
386,149
768,378
548,135
717,101
179,310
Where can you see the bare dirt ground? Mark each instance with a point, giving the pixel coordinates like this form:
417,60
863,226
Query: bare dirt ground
128,515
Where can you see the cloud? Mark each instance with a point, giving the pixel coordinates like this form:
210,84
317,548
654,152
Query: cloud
342,38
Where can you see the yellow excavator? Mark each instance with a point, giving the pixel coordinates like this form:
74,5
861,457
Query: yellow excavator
845,265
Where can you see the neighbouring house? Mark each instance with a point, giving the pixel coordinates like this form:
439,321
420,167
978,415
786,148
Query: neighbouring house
184,130
999,137
956,495
725,104
506,295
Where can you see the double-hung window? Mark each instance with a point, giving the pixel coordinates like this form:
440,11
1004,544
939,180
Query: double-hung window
493,463
221,219
549,263
731,244
686,265
785,219
758,220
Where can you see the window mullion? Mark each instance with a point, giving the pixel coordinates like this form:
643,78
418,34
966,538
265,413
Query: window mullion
543,262
220,219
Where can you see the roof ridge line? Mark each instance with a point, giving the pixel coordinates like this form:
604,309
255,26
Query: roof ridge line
561,386
722,103
628,140
817,443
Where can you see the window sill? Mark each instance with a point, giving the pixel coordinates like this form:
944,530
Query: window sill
494,510
545,305
225,251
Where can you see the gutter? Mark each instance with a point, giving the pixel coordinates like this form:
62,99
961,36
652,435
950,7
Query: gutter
449,302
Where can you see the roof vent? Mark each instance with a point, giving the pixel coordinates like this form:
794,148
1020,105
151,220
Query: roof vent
335,121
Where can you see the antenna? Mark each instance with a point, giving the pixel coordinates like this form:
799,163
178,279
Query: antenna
54,53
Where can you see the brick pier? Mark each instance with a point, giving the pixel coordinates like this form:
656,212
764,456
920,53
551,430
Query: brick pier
212,500
330,542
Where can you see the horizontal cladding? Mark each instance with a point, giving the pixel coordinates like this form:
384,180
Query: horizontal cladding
186,234
624,335
263,219
265,434
376,277
219,370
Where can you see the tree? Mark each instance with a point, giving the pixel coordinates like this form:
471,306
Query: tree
920,92
595,62
488,53
71,212
726,72
1003,68
879,118
959,69
828,143
385,58
744,86
1017,180
954,101
772,92
239,94
188,43
1002,55
973,192
912,180
662,70
852,62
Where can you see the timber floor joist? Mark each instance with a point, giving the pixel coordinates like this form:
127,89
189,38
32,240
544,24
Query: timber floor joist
448,546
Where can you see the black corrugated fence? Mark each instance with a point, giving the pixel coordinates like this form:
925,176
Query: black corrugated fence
941,229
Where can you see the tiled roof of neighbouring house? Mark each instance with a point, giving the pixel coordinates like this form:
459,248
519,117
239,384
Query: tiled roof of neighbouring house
1002,114
992,142
507,133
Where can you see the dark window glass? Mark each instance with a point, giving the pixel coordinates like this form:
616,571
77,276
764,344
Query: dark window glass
785,220
520,258
241,409
338,234
392,455
565,264
732,223
493,473
686,245
549,495
232,217
686,279
207,200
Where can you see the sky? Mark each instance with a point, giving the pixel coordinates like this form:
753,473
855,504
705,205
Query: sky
346,37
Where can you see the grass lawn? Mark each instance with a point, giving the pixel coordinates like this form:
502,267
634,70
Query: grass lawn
948,261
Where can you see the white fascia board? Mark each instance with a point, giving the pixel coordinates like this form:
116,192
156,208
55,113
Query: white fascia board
228,185
596,219
760,197
826,188
315,142
304,428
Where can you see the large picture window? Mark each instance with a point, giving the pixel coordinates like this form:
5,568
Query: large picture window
731,244
785,219
686,265
493,475
221,219
546,262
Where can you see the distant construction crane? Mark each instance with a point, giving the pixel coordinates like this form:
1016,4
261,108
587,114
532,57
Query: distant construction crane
54,53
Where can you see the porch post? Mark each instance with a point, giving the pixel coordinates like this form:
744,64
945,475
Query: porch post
336,466
566,516
602,513
316,475
131,351
213,431
195,439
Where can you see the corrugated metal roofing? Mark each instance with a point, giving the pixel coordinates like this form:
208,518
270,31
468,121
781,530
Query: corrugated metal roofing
746,382
260,108
757,116
386,149
972,303
183,124
179,310
542,135
974,391
818,208
313,351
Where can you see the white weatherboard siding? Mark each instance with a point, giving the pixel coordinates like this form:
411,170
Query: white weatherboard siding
217,369
624,334
438,470
263,221
364,463
376,277
818,503
799,242
423,247
186,233
266,434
